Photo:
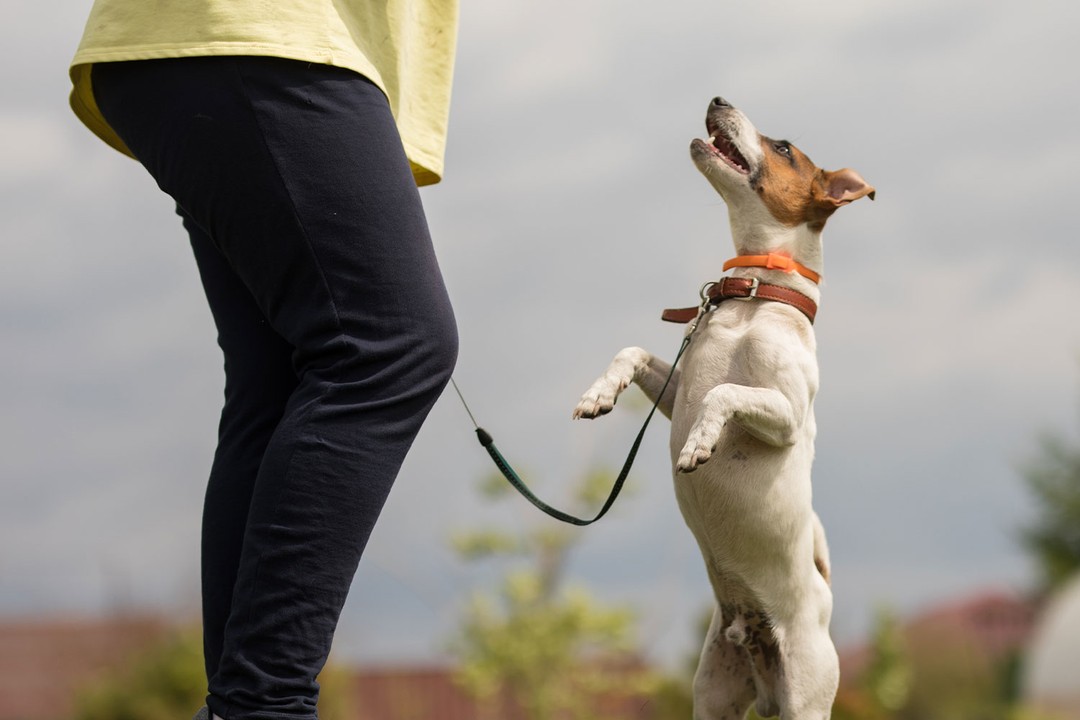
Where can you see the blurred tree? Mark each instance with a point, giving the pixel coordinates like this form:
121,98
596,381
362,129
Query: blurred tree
673,698
538,648
164,683
887,678
882,688
1053,538
168,681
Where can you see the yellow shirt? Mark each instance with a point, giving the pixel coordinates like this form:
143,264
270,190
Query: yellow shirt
406,47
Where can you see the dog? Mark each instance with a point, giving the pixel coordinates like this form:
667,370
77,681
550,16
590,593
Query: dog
742,427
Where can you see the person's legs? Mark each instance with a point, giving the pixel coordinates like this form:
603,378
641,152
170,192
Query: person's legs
259,380
297,176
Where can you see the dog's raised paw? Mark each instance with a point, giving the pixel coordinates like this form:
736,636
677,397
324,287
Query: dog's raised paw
599,399
691,458
698,449
590,408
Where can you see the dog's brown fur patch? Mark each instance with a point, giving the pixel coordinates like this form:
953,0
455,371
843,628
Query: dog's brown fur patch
792,187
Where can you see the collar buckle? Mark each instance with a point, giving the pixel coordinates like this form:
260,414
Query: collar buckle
751,292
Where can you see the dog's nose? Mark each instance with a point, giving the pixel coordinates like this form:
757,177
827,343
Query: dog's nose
719,102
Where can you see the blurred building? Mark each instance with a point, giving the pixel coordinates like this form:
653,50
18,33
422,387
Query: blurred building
423,693
45,663
969,633
1051,680
995,625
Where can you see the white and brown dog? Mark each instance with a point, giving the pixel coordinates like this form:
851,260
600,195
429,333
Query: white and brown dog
742,427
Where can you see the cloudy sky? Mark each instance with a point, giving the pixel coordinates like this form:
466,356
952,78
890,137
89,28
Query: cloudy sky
569,217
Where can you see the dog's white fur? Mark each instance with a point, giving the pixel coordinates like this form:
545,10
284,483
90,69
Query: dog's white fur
742,436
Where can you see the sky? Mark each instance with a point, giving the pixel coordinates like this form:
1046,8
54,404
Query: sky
569,216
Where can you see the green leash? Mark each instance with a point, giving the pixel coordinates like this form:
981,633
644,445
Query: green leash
508,472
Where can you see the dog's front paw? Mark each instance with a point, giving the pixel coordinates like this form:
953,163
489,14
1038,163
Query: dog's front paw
699,447
600,398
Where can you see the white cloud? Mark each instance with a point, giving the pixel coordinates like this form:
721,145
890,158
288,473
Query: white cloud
34,146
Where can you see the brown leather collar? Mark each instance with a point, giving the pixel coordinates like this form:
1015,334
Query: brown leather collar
745,288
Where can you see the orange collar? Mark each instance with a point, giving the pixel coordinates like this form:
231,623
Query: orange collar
773,261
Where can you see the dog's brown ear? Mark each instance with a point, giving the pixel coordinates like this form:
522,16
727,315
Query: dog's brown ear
845,186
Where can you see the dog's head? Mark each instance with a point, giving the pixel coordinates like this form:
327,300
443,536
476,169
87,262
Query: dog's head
768,182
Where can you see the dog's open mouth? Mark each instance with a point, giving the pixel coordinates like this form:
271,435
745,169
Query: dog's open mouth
727,150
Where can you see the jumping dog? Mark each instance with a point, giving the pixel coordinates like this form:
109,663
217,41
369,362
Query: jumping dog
742,427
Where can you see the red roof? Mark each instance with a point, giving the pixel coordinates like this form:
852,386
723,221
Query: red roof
994,623
405,694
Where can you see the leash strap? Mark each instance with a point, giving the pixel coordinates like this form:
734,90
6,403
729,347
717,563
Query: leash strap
711,294
514,479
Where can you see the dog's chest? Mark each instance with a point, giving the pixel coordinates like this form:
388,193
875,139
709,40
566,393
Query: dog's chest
749,345
725,349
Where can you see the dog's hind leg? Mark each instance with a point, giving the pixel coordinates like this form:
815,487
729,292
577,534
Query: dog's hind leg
631,365
811,670
724,685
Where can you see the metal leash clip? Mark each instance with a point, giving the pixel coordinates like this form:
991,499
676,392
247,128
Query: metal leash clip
703,308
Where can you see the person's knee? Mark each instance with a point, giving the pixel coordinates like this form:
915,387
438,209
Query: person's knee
440,347
406,359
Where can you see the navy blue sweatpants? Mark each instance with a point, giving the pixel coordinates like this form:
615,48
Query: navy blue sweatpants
336,329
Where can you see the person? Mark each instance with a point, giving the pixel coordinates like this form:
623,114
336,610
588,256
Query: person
293,137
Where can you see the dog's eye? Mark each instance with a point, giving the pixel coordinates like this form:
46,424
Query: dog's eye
783,148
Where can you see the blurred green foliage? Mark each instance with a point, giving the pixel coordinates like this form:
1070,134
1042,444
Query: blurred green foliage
167,681
1053,536
887,679
939,675
546,650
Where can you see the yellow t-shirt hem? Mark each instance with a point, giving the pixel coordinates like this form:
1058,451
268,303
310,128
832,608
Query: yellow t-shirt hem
426,169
